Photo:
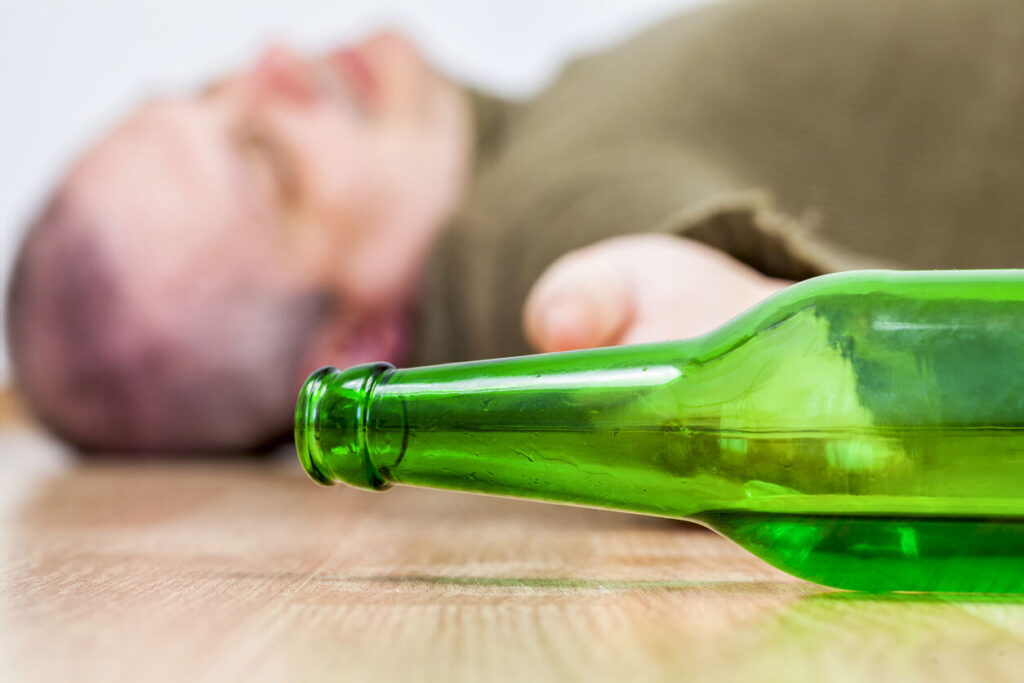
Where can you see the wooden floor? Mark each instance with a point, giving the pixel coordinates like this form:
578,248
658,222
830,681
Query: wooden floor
248,571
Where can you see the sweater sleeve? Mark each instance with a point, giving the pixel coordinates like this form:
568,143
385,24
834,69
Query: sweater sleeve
749,226
797,136
501,242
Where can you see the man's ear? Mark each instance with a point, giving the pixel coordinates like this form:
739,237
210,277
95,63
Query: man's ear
381,337
344,342
326,345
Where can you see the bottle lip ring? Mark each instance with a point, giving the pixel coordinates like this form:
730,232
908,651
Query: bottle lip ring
307,413
348,461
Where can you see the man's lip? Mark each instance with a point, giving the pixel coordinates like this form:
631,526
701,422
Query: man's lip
356,72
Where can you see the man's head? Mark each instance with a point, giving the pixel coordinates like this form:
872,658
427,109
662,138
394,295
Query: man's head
211,250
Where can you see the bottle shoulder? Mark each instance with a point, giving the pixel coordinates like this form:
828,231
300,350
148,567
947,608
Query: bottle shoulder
994,284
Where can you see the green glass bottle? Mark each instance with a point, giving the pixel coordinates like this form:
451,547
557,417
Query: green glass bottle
862,430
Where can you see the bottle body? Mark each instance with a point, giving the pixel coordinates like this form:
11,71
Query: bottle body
861,430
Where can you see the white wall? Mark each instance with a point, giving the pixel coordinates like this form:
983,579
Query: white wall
68,68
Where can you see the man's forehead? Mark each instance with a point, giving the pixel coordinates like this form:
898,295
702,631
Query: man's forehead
166,168
164,198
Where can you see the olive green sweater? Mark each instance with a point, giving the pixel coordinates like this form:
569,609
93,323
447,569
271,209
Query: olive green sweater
799,136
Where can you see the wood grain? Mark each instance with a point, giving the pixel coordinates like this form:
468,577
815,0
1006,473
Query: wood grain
246,570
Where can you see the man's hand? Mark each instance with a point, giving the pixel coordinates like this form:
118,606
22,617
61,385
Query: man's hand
639,288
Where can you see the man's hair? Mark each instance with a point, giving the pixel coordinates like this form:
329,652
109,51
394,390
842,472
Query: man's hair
94,372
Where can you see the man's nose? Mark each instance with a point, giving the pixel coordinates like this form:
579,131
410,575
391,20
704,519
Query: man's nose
280,73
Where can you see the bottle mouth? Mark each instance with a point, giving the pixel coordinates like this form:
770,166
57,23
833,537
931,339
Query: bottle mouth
307,424
330,425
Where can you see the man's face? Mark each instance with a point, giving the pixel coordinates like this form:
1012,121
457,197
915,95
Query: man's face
294,174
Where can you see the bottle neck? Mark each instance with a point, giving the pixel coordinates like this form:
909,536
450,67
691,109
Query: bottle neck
600,427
